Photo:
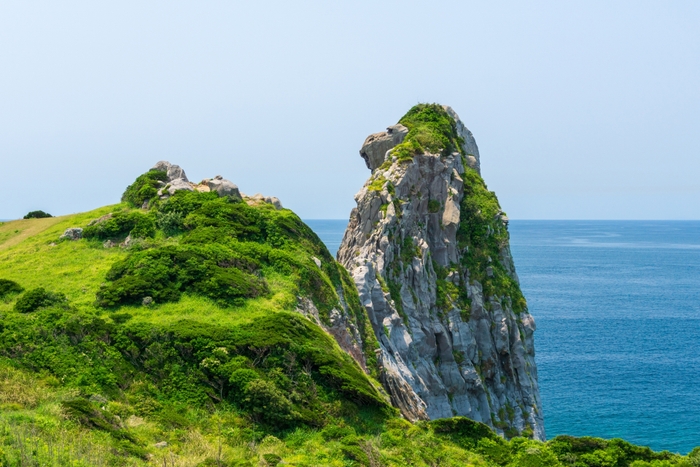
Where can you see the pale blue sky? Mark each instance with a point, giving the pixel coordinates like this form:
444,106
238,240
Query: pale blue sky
584,110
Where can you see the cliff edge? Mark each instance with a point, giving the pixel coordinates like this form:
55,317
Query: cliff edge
428,249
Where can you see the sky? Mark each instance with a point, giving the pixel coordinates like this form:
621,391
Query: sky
581,109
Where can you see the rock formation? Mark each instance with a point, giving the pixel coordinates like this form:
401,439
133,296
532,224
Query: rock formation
428,249
177,180
72,233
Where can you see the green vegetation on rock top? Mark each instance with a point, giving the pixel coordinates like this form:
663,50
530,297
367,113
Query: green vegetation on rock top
430,130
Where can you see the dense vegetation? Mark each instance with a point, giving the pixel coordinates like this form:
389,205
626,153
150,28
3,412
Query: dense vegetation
169,337
431,130
37,215
145,188
482,235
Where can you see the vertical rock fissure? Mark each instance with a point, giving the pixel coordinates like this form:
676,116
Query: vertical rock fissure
427,247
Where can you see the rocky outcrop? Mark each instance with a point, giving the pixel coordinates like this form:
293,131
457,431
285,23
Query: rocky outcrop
177,180
427,247
73,233
377,144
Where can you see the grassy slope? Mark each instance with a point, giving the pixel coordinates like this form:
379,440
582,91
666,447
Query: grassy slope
83,385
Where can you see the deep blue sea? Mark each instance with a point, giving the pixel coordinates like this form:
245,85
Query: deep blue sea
617,306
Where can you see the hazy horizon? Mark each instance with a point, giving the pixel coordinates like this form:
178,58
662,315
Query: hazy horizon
581,110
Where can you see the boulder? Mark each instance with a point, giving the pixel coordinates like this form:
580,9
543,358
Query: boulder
174,171
73,233
376,145
259,198
175,185
223,187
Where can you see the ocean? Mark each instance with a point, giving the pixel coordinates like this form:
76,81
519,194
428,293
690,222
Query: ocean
617,307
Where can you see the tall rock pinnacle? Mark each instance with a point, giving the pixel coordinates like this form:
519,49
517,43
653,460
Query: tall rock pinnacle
428,249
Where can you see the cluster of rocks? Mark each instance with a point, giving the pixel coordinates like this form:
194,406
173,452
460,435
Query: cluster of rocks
478,363
177,180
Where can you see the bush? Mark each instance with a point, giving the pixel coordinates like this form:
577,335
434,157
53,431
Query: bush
121,224
434,206
430,129
164,273
463,431
171,223
144,188
267,403
37,215
534,454
39,298
8,287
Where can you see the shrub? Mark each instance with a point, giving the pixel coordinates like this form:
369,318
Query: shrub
121,224
534,454
39,298
37,215
164,273
463,431
267,403
430,129
171,223
434,206
8,287
144,188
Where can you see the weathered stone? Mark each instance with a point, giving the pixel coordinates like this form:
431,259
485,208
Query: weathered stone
73,233
174,172
147,301
376,145
259,198
223,187
274,201
437,362
176,185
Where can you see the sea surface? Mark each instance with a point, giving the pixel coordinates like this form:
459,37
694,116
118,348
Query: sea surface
617,306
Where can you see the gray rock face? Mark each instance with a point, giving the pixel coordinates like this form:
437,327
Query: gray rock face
439,358
376,145
174,172
223,187
178,184
73,233
259,198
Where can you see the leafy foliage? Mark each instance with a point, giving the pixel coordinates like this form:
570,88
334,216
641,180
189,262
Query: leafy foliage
164,273
8,287
144,188
37,215
121,224
431,130
38,298
482,236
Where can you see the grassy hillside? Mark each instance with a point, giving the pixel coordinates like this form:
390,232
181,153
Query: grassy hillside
182,347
